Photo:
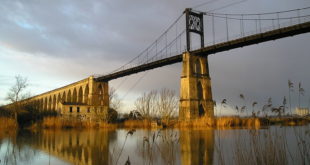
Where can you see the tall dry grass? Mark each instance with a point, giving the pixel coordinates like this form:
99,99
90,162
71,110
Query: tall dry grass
228,122
275,145
60,123
222,122
261,148
7,123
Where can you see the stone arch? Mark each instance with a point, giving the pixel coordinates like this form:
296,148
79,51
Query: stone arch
201,110
35,104
45,104
54,102
69,97
100,94
63,98
86,92
197,66
50,103
58,101
74,96
38,104
41,105
80,95
58,98
199,91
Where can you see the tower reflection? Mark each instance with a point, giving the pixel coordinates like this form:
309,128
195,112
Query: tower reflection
197,147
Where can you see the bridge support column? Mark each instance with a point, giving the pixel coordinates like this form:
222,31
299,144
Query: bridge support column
105,100
99,96
195,91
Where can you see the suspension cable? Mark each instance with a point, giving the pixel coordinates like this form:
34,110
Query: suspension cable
267,13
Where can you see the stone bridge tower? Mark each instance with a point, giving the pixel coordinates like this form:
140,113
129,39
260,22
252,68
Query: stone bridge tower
195,93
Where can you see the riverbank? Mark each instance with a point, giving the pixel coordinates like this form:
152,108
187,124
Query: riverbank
7,123
204,122
58,122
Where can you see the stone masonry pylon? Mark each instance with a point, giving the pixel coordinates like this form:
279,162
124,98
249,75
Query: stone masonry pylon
195,91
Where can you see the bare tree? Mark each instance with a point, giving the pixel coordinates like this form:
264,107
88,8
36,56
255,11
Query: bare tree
146,104
114,100
161,104
15,94
167,103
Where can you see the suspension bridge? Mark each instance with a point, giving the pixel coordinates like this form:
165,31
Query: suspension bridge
262,27
190,39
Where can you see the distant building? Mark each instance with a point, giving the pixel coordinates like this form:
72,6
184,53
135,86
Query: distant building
302,111
83,111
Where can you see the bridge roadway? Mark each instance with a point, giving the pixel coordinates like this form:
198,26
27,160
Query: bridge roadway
220,47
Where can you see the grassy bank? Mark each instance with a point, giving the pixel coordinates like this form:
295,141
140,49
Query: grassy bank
237,122
222,122
7,123
60,123
218,122
57,122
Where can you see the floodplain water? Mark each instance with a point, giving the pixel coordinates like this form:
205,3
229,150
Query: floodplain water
272,145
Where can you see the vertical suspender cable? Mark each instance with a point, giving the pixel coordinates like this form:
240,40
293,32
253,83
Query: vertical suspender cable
227,27
213,29
256,25
242,25
298,15
148,59
180,44
260,24
278,20
156,49
166,46
176,36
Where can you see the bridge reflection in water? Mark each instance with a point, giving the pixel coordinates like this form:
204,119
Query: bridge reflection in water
75,147
103,147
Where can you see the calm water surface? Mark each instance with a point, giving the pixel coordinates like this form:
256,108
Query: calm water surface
169,146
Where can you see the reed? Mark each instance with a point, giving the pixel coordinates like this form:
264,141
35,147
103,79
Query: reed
61,123
221,122
263,147
7,123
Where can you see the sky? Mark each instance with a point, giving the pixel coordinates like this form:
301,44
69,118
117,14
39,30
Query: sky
55,43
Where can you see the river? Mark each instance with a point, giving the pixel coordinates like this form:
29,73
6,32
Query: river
272,145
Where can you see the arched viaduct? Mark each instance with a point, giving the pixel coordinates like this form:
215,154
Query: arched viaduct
86,96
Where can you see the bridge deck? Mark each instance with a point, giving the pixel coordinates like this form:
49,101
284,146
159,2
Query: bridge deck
224,46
